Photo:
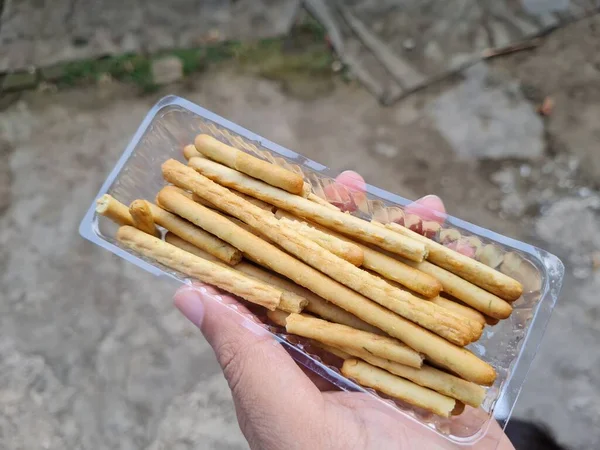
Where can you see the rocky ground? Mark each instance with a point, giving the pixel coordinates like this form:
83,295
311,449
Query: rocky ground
92,353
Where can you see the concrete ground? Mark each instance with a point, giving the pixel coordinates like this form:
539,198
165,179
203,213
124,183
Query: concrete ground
94,356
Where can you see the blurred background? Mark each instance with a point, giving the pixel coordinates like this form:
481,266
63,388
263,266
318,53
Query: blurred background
493,105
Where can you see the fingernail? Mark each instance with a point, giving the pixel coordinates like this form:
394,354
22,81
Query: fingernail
190,302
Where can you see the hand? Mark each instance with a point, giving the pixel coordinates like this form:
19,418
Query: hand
280,405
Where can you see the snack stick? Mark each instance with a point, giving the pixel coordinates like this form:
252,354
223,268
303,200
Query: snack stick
254,201
348,338
459,408
337,220
196,236
384,265
316,305
250,165
345,250
190,151
142,217
203,202
315,198
463,310
112,208
306,190
291,302
477,298
332,313
428,315
278,317
491,321
333,350
474,271
380,380
224,278
476,327
429,377
440,351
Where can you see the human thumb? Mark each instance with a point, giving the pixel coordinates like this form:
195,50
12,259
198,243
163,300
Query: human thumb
262,376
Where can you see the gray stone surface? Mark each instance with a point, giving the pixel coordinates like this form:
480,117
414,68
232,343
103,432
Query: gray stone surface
395,47
502,123
92,353
34,33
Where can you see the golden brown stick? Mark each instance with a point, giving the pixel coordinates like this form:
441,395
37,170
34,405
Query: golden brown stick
491,321
195,235
142,217
380,380
459,408
429,377
189,151
465,291
384,265
475,325
227,279
333,350
345,250
315,198
254,201
278,317
437,349
463,310
257,168
348,338
337,220
116,211
477,273
335,314
291,302
428,315
316,305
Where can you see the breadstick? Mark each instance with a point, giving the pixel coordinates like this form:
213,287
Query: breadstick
348,338
345,250
195,235
333,350
116,211
438,350
428,315
256,168
463,310
335,314
278,317
315,198
491,321
291,302
477,273
459,408
429,377
142,217
227,279
337,220
384,265
189,151
316,304
472,295
380,380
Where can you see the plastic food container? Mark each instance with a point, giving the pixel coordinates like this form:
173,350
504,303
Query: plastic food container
509,346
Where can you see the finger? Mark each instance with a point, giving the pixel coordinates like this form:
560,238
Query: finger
263,378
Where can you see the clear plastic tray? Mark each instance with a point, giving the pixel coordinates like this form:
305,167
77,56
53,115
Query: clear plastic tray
509,346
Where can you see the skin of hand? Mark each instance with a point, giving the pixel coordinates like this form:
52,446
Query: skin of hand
281,405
